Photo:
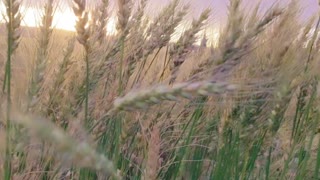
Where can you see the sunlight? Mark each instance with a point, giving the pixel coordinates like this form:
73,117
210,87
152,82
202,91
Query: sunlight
63,19
111,26
214,36
2,10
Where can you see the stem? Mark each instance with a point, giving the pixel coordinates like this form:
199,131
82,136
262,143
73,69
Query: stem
7,163
87,91
8,122
121,64
166,63
152,61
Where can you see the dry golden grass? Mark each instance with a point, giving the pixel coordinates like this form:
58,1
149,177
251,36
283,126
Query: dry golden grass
139,105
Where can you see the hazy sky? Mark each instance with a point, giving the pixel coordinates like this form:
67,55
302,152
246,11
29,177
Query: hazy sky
219,6
66,19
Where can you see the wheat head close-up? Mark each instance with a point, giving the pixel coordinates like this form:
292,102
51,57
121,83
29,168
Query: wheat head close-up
159,89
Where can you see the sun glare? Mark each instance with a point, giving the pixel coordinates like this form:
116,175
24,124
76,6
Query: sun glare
214,36
63,19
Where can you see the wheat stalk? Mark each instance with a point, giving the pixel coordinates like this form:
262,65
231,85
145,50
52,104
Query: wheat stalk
56,94
42,56
152,164
189,36
162,31
144,98
13,23
79,152
100,20
236,46
137,17
124,12
160,34
136,38
180,49
83,33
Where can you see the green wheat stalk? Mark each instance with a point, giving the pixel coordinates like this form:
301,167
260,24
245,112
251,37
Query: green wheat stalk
13,24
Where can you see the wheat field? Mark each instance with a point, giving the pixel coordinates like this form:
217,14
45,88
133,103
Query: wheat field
153,101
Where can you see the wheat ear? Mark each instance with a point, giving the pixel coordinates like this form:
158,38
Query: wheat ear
180,50
83,32
79,152
100,24
42,56
152,165
124,12
160,34
144,98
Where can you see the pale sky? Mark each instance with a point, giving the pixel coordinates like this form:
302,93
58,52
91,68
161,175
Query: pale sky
65,19
310,6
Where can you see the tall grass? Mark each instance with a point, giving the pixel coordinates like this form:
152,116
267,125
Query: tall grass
140,105
13,35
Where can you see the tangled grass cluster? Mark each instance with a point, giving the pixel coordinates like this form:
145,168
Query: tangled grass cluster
138,105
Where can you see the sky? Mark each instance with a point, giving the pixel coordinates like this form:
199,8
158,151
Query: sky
64,18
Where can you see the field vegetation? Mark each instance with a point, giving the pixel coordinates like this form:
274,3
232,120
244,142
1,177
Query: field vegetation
139,105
